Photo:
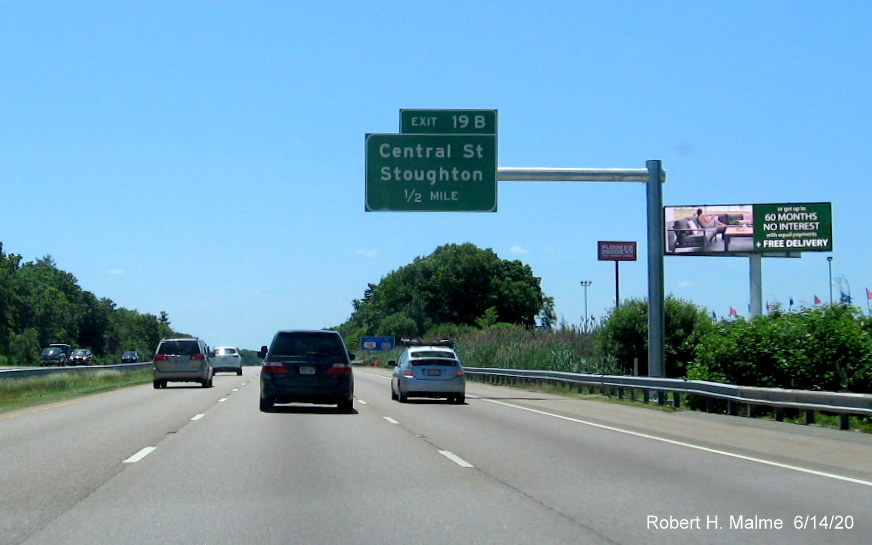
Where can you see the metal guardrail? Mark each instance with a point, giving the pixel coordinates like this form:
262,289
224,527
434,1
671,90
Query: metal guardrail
841,403
43,371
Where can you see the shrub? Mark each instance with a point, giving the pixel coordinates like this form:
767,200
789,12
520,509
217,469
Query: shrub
827,348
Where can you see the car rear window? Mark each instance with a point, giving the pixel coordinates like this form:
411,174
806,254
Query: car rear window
308,344
225,351
179,348
444,362
431,354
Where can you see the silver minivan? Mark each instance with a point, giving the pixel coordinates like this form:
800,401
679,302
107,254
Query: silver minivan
182,360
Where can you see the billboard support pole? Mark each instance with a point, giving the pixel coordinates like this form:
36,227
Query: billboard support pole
617,284
756,266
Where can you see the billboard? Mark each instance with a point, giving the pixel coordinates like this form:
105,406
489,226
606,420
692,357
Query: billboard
616,251
743,229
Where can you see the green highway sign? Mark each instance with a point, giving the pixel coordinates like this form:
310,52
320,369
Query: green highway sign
793,227
448,121
431,172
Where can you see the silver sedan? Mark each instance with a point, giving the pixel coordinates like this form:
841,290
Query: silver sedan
428,372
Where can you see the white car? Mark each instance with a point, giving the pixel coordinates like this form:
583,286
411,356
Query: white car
227,358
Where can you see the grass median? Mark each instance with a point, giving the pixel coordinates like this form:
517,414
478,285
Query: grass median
19,393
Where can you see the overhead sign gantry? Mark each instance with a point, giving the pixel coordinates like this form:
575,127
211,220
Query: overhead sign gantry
446,161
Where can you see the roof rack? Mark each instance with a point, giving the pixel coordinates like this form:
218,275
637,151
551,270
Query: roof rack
447,343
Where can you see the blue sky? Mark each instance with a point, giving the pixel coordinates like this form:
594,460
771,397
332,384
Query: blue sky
207,158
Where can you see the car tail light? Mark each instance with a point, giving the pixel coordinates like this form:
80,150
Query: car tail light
408,372
459,373
160,357
273,368
339,369
199,357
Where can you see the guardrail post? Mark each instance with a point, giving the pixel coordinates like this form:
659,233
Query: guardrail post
752,411
731,408
844,421
646,396
809,416
779,414
676,400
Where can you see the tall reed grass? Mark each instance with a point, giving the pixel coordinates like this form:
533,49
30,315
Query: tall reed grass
514,347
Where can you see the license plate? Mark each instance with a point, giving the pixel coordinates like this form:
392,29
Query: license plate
307,370
434,372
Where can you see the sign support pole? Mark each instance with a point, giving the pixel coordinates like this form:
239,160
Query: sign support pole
653,176
656,314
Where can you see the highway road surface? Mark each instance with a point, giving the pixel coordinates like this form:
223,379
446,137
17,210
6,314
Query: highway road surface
189,465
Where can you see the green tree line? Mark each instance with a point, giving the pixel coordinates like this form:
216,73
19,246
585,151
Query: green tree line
41,304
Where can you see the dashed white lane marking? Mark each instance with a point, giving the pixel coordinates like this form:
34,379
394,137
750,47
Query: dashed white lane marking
362,402
455,458
140,455
197,417
222,400
391,420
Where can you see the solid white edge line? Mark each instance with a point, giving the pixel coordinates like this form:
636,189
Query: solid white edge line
455,458
139,455
690,445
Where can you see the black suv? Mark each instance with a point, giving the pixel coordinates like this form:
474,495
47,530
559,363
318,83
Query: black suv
306,367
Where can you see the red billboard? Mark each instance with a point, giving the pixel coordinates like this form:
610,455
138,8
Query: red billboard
616,251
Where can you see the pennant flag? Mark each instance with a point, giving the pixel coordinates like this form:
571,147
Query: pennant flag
868,293
733,312
791,301
817,300
847,298
714,315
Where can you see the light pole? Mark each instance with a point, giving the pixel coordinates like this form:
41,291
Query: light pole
830,265
585,284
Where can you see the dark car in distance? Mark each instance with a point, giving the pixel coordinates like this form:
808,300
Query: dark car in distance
82,356
311,366
55,354
131,356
